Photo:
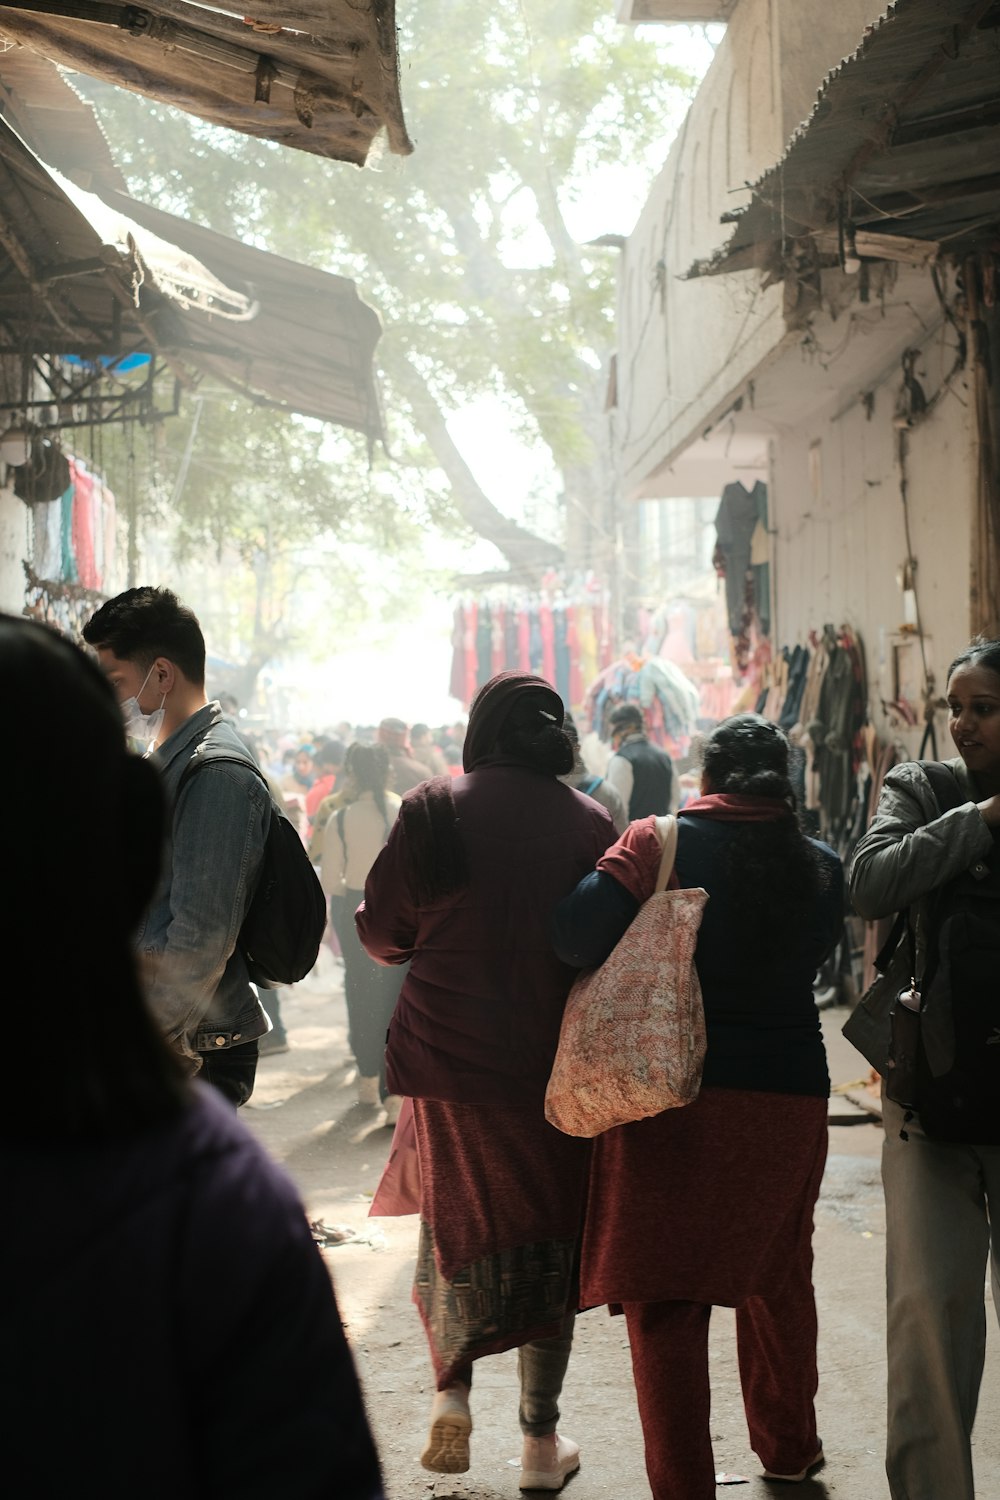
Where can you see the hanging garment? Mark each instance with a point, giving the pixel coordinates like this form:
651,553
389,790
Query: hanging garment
537,653
523,641
664,682
577,686
97,505
547,626
456,682
587,634
67,570
735,522
83,525
760,560
471,659
484,646
561,649
48,527
510,649
798,671
110,521
497,640
607,640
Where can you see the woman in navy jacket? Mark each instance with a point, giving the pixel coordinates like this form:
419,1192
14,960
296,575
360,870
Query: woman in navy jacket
712,1204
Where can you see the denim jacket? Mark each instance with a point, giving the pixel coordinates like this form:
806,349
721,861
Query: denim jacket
197,981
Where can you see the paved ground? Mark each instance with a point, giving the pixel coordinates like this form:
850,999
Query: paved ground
303,1112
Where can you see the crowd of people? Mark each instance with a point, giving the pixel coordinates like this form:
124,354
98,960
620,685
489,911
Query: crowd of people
470,874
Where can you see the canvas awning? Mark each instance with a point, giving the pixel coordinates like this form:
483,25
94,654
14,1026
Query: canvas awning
900,158
101,278
320,75
304,339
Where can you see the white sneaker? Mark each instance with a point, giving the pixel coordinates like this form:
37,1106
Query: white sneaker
368,1091
546,1461
392,1104
447,1448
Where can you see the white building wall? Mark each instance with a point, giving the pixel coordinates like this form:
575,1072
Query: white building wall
839,542
14,549
684,346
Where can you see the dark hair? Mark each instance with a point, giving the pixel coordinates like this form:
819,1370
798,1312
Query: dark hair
369,767
530,734
111,1072
980,652
626,713
417,731
775,867
145,623
330,753
748,754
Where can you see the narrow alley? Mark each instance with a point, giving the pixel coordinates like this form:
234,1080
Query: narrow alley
303,1110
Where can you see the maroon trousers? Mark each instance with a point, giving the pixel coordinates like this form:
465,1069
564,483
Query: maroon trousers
777,1355
706,1206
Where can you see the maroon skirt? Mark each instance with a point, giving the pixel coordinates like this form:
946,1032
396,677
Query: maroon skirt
502,1194
707,1204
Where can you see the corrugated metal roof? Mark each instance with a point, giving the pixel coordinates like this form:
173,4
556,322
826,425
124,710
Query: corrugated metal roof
320,75
94,276
903,143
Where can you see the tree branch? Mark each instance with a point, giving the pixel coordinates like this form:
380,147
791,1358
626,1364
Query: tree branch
524,550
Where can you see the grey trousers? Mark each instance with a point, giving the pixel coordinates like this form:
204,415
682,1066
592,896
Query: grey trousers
541,1368
939,1201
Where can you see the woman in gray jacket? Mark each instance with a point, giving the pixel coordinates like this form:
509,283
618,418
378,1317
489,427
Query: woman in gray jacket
932,851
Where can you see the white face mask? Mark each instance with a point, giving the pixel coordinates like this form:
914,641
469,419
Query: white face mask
141,730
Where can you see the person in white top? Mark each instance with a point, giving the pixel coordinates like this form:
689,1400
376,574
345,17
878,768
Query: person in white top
352,841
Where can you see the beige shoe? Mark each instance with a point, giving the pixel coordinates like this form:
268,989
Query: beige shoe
368,1091
447,1447
392,1104
546,1461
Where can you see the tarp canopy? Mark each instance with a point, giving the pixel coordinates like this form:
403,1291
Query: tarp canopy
300,338
900,157
99,277
320,75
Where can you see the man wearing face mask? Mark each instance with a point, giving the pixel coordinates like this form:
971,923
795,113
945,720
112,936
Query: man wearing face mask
152,649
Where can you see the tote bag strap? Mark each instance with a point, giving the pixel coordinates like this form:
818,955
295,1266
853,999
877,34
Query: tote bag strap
666,829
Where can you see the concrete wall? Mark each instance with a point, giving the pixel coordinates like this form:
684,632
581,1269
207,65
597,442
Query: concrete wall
14,549
839,540
683,346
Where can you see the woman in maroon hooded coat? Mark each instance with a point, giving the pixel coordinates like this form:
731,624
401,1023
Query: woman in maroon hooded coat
465,890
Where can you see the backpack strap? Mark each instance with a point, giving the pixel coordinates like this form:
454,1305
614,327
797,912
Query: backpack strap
218,755
589,787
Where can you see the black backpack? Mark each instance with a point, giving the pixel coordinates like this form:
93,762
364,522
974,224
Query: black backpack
962,972
286,918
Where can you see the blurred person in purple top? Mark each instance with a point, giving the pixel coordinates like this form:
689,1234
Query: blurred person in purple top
169,1328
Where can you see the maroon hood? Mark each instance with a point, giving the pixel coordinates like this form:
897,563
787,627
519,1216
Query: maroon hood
490,709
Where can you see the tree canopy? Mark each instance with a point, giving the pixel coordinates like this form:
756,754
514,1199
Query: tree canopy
465,249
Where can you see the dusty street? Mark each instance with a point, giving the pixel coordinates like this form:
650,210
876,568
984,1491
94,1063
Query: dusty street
304,1113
